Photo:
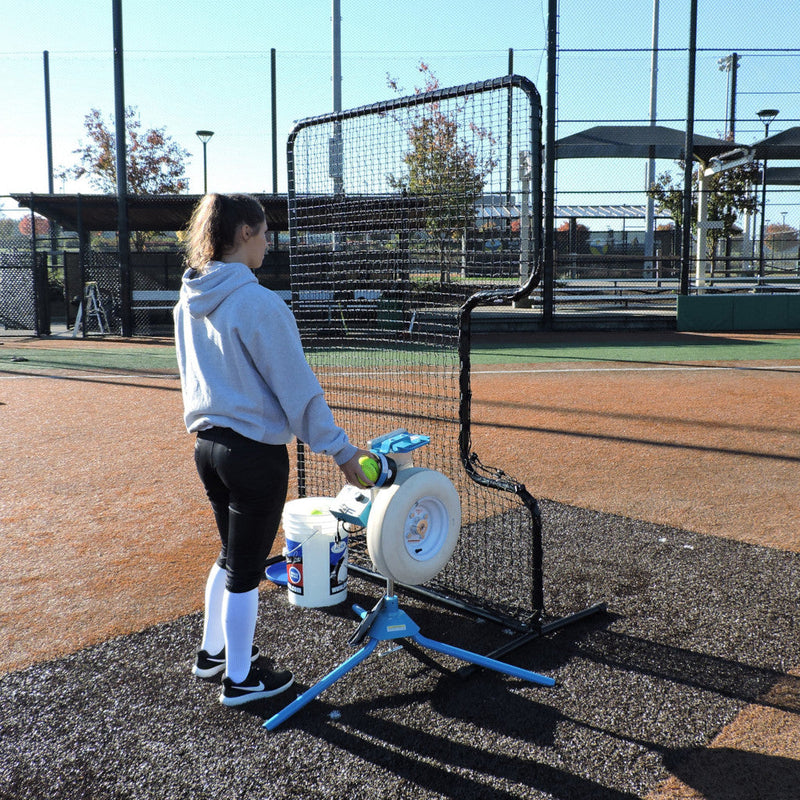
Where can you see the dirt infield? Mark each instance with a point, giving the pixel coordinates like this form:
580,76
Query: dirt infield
105,529
710,448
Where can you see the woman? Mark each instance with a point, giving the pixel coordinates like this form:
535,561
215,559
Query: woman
247,391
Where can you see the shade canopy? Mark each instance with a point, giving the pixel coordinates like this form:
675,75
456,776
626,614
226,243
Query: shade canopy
783,176
638,141
782,146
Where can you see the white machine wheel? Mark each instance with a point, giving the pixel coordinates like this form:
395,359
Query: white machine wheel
413,526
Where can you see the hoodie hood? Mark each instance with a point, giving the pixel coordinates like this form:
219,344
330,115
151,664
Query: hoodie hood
203,293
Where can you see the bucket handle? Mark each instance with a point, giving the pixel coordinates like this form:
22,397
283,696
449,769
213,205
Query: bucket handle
337,539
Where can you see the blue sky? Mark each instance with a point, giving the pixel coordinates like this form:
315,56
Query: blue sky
204,64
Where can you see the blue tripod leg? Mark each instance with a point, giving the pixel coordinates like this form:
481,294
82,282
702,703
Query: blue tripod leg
483,661
321,685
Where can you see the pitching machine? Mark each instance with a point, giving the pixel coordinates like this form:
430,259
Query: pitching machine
412,518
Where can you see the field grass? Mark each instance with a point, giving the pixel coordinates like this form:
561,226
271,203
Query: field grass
26,356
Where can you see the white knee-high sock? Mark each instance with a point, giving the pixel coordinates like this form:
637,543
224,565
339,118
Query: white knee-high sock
213,637
239,612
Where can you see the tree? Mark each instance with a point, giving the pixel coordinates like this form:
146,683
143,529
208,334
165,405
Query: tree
729,194
41,225
441,167
11,237
780,232
156,163
781,240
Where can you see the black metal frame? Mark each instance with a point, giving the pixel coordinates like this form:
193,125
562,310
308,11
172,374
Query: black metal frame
487,476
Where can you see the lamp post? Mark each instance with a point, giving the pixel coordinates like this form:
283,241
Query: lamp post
766,115
204,136
730,65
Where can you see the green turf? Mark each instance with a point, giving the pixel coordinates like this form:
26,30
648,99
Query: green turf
135,359
144,358
654,352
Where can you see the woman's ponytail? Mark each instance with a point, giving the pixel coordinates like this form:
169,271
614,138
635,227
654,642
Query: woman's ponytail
212,228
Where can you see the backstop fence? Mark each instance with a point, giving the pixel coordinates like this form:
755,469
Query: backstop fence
603,264
385,274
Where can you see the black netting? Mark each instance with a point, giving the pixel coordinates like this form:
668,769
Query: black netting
17,291
398,213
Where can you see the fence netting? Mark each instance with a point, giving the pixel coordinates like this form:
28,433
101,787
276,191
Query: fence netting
399,212
17,292
603,262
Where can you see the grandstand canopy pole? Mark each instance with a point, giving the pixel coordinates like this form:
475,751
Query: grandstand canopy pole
123,230
686,233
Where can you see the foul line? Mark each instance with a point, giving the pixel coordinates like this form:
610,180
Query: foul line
631,369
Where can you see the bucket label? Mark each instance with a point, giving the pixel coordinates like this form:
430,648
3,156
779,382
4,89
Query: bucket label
299,570
338,562
294,567
294,577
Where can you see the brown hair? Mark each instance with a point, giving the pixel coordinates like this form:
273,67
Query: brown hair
212,227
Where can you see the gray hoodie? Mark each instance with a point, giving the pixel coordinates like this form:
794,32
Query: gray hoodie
242,365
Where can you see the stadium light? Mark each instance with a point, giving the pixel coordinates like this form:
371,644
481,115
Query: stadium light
204,136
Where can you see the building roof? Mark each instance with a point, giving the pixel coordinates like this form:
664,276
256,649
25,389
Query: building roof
604,212
163,212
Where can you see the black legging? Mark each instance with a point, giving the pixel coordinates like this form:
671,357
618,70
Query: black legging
246,482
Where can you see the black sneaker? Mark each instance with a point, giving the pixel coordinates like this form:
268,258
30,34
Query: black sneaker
259,683
206,665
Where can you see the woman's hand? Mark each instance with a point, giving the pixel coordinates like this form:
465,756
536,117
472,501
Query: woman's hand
353,472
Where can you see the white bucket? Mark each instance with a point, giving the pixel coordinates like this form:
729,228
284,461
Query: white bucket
316,558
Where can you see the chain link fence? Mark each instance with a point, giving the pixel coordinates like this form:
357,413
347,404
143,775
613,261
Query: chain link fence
602,219
22,269
604,261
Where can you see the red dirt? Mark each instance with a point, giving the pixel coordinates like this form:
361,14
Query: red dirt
105,529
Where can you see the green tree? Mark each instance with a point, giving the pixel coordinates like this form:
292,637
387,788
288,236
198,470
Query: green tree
441,168
730,193
156,163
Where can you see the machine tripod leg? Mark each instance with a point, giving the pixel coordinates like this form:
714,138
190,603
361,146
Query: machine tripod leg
321,685
483,661
387,622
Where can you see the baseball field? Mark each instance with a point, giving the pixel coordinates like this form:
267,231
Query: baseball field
668,470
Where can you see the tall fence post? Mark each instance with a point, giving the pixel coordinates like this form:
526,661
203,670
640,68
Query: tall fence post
548,266
686,249
122,176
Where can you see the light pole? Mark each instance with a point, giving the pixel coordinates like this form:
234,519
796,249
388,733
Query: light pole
766,115
204,136
730,64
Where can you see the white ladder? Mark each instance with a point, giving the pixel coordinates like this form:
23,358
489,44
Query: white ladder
92,307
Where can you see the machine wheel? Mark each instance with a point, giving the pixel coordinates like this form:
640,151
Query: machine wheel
413,526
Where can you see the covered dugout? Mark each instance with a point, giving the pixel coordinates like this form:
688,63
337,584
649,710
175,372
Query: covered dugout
145,287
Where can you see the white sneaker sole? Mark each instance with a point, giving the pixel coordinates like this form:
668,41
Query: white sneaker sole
240,700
